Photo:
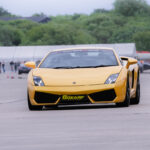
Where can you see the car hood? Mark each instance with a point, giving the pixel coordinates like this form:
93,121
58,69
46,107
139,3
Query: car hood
75,77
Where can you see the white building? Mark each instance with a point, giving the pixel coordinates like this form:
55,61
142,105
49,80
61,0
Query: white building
23,53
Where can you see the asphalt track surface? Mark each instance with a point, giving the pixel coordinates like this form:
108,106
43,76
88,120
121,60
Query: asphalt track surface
102,127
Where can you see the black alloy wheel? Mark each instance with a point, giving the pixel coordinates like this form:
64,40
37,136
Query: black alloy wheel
126,102
136,100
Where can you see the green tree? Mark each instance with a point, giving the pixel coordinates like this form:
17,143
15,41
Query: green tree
101,11
101,26
58,34
23,25
131,7
3,12
9,36
142,40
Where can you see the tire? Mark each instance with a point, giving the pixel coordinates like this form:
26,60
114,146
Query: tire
126,102
32,107
136,100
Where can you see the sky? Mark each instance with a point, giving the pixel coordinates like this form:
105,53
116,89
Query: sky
54,7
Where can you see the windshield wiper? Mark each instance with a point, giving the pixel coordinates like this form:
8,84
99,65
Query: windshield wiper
94,66
101,66
67,67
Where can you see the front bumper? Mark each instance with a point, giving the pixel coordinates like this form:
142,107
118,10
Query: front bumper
94,94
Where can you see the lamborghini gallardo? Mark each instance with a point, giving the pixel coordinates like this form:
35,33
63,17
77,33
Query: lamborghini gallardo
83,76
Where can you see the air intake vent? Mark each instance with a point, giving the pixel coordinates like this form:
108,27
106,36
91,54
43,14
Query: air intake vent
108,95
45,97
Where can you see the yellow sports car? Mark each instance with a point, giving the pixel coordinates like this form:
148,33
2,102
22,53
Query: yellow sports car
83,76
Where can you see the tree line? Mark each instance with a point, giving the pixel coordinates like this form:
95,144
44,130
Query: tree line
128,21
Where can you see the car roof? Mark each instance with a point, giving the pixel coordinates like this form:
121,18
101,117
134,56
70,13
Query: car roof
84,48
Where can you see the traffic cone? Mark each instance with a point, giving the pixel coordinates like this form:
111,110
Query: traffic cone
12,76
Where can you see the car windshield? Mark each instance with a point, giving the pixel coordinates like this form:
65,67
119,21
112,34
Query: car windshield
79,59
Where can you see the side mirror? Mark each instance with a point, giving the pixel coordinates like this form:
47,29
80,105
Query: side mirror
30,64
130,61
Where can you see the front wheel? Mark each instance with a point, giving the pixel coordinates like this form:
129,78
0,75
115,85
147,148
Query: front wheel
126,102
136,100
32,107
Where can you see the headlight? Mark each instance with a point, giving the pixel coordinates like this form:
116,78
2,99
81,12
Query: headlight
38,81
112,79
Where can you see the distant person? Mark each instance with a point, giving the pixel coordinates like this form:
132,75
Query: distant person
12,66
0,66
16,66
3,67
18,63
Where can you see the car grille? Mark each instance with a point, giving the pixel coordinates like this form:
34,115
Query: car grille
85,100
41,97
108,95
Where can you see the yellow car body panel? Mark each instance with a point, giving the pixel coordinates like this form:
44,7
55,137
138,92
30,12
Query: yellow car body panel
83,76
83,81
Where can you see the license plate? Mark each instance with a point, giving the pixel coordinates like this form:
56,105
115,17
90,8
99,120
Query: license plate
72,97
